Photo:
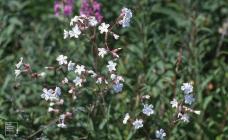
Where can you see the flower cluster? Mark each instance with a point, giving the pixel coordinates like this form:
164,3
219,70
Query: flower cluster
76,75
64,5
91,8
183,110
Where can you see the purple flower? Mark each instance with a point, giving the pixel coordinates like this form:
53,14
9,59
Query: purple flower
66,6
91,9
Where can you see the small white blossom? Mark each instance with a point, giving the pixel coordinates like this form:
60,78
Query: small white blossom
138,123
65,80
65,34
17,73
99,80
187,88
46,94
126,118
111,66
93,74
62,59
113,76
189,99
103,28
62,125
57,91
102,52
183,117
116,36
79,69
18,65
92,21
174,103
160,134
146,96
70,66
148,109
73,20
42,74
75,32
78,81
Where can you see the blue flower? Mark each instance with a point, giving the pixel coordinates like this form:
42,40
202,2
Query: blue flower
117,87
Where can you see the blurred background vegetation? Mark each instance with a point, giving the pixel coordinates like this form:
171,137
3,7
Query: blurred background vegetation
161,30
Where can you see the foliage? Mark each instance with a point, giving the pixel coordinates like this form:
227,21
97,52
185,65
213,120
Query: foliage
169,42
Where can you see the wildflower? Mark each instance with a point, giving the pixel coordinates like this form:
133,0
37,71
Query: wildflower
17,73
46,94
67,7
66,34
93,74
146,96
138,123
127,15
62,125
57,91
78,81
116,36
62,59
126,118
99,80
103,28
160,134
113,76
92,21
148,109
90,9
70,66
111,66
65,80
189,99
79,69
183,117
117,87
42,74
18,65
102,52
174,103
187,88
73,20
75,32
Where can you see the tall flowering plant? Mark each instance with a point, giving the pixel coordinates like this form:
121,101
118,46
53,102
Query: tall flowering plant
68,89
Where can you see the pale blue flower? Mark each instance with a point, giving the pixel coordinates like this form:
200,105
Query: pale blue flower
160,134
189,99
117,87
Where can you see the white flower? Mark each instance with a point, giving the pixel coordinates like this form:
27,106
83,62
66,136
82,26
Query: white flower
65,34
18,65
70,66
93,74
113,76
127,15
102,52
103,28
111,66
187,88
148,109
75,32
99,80
46,94
62,59
62,125
57,91
79,69
116,36
17,73
126,118
146,96
75,19
174,103
65,80
138,123
160,134
78,81
50,109
183,117
189,99
92,21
